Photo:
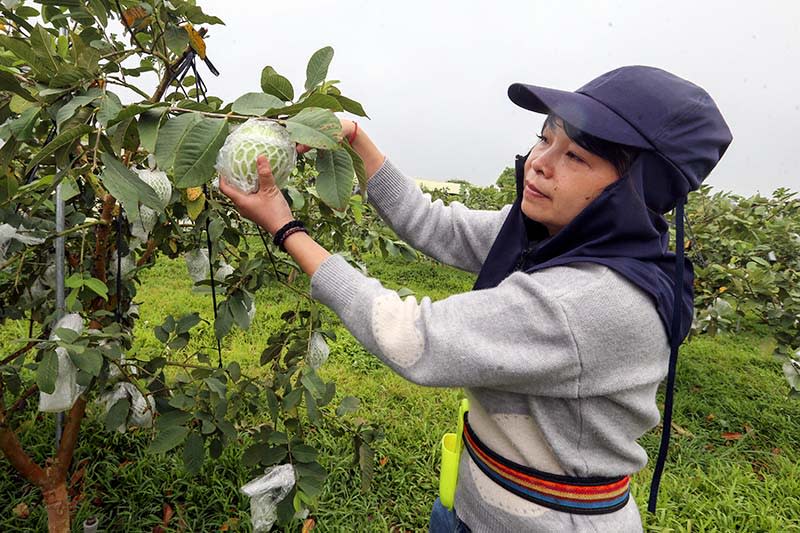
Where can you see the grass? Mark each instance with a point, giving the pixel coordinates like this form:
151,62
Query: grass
733,460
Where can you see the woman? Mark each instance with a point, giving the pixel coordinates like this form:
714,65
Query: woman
563,342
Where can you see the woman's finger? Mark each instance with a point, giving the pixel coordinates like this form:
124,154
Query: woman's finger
265,178
228,190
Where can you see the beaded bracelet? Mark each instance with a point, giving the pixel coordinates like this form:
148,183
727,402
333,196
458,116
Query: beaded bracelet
289,228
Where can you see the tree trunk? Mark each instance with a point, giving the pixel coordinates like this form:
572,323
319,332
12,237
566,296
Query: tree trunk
56,500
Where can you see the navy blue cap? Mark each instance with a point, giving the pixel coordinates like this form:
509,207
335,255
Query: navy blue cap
647,108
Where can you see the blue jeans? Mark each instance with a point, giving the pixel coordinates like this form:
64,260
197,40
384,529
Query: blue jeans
444,520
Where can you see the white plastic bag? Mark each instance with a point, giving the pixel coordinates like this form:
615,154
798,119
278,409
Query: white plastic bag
160,183
67,389
318,350
265,493
141,413
197,264
200,270
8,232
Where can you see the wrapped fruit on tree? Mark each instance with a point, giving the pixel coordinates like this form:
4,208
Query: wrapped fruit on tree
134,178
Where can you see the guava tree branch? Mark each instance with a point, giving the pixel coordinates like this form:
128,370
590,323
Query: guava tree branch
33,389
148,252
18,353
12,449
20,460
69,438
101,244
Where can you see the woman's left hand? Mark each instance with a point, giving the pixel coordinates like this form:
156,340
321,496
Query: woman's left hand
267,207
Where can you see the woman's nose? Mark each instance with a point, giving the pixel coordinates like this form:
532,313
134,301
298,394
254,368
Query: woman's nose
541,163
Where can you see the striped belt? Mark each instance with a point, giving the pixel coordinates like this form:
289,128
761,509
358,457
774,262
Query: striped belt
578,495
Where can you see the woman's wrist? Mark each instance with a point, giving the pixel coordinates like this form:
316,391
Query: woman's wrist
363,146
273,228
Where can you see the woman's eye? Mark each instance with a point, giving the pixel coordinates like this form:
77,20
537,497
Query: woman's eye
542,138
574,157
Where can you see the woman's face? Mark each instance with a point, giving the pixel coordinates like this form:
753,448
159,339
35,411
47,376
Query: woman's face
561,179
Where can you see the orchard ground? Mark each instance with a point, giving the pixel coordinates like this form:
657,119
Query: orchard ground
734,460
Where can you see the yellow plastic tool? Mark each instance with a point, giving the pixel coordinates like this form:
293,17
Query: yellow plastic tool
452,445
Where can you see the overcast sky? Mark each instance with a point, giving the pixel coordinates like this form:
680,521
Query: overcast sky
433,74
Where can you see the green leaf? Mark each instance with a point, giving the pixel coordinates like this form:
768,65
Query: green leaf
256,104
323,101
23,50
176,38
148,124
124,135
366,457
18,104
132,110
97,287
68,76
315,127
317,68
7,153
98,9
10,84
8,185
89,361
118,414
217,386
312,408
187,322
60,3
64,139
43,43
304,453
170,136
313,383
68,110
161,334
359,169
223,320
335,180
310,486
74,281
193,453
22,126
197,152
292,400
349,404
237,307
235,371
274,454
47,372
172,418
127,187
351,106
276,85
272,405
167,439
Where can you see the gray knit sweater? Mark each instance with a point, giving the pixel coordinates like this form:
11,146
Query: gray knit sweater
561,366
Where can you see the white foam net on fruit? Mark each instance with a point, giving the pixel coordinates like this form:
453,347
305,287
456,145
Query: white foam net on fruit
236,160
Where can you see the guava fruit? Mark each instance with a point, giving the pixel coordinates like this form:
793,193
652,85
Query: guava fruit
236,161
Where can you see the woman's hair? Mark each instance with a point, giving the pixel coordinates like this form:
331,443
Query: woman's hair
619,155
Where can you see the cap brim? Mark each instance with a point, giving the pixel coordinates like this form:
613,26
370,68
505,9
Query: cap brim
579,110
